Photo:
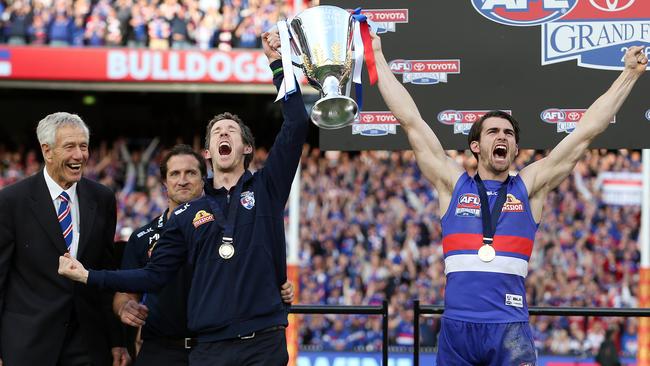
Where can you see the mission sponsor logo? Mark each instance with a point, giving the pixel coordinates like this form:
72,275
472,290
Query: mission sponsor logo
566,120
462,120
386,19
375,124
201,218
512,204
469,205
597,33
524,12
424,72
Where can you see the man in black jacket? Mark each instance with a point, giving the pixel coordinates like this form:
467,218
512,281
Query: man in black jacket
47,319
166,339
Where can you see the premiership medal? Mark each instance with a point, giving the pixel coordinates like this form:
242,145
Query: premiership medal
486,253
226,250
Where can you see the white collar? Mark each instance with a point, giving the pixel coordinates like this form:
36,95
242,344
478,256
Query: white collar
55,189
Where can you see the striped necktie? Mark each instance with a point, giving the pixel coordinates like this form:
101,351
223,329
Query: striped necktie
65,219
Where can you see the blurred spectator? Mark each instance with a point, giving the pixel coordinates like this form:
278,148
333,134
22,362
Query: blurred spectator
607,353
19,16
159,32
137,31
38,31
61,29
179,29
95,34
113,29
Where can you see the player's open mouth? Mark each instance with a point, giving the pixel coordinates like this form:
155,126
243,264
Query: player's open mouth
500,151
224,148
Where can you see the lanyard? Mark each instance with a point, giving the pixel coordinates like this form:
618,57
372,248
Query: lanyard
227,224
490,220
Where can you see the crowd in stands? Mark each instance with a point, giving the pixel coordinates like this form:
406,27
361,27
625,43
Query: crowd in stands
370,230
157,24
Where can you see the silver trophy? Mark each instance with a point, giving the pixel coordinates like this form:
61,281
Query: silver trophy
322,37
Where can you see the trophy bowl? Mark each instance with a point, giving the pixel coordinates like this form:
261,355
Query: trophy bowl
322,38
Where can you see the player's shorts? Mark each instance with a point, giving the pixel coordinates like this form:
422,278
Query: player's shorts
486,344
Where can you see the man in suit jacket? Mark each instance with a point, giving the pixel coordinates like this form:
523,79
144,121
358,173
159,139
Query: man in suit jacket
45,319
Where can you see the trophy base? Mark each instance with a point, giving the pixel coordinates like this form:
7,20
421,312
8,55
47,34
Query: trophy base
334,112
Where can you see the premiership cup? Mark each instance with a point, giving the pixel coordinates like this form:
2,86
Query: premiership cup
322,38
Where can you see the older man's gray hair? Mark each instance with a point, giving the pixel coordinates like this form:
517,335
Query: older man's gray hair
47,127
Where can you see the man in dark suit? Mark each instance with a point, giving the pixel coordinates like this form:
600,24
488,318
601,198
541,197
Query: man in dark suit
45,319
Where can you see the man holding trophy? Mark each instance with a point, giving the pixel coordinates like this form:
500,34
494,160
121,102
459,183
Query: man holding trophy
232,239
487,249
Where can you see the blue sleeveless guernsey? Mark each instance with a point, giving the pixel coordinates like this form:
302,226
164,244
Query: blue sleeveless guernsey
487,292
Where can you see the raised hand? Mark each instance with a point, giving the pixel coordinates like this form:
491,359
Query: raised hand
271,45
636,59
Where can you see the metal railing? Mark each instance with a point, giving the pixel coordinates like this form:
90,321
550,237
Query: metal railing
352,310
419,310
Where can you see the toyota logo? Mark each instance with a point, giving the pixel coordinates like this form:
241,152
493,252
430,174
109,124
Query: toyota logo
418,66
574,116
611,5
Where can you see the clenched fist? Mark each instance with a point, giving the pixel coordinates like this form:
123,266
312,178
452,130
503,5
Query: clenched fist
72,268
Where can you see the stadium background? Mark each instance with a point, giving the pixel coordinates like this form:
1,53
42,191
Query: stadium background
369,224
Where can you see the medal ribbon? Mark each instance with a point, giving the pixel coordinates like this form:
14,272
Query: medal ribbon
490,220
227,224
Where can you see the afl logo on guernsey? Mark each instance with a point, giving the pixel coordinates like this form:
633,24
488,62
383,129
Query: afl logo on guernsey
469,205
523,12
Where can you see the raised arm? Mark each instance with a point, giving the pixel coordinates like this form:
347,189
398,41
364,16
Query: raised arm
165,262
440,170
546,174
284,156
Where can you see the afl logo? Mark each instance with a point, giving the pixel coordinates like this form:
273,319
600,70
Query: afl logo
611,5
449,117
523,13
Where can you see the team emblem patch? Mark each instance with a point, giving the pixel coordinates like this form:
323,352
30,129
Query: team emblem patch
512,204
201,218
248,200
469,205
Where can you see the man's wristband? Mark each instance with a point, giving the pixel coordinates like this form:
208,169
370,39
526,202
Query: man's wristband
277,71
